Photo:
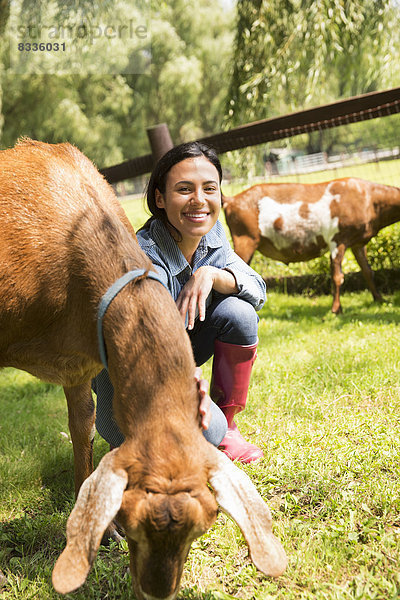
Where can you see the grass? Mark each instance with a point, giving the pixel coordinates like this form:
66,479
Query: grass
324,406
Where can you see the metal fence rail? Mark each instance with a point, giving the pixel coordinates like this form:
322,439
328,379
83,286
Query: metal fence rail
343,112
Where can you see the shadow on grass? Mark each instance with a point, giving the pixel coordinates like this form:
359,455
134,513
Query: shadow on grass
30,546
36,532
387,312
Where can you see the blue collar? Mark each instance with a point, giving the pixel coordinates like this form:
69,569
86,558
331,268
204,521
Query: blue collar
109,296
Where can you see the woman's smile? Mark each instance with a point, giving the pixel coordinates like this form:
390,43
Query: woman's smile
196,216
192,201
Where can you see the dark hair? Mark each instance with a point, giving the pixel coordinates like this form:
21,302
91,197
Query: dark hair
158,178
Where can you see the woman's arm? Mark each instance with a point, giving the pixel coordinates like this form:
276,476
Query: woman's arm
196,291
232,276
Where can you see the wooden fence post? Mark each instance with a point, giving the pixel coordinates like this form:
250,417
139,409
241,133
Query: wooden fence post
160,140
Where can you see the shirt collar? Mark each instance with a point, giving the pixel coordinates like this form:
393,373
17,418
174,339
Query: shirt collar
168,246
212,239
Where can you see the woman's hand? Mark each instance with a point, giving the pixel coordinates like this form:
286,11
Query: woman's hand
195,292
204,399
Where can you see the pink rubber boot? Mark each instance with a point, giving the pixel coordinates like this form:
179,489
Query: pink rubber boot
230,380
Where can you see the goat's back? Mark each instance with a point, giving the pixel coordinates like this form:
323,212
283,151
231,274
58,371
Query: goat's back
64,238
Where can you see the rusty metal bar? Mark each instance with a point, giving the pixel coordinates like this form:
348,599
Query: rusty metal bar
368,106
359,108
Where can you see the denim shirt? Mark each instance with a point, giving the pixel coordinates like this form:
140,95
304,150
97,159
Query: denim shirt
213,249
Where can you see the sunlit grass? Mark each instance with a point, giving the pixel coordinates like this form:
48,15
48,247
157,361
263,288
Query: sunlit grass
324,405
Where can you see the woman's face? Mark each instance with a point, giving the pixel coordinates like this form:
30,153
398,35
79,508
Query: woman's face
192,198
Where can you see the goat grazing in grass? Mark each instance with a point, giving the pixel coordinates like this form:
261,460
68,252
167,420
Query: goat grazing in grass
295,222
64,242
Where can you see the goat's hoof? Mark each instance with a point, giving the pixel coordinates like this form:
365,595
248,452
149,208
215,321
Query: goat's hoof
337,311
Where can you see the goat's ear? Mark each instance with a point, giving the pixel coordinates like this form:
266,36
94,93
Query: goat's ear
238,497
98,502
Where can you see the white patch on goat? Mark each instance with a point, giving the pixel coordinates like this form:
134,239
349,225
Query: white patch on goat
295,228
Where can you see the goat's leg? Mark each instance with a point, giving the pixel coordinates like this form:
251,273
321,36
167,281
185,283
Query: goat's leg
244,246
360,254
337,276
81,415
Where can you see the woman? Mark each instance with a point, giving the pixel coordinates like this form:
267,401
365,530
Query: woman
216,293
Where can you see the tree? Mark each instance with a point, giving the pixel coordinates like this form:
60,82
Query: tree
88,109
189,71
292,54
106,115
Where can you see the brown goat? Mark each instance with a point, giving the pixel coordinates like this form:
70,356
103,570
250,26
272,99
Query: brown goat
295,222
64,240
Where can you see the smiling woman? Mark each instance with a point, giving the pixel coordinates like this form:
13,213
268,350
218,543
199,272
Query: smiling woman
216,293
192,202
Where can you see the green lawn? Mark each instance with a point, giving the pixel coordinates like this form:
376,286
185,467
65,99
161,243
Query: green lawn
324,406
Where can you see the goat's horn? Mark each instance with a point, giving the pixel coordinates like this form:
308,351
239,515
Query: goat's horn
98,502
238,497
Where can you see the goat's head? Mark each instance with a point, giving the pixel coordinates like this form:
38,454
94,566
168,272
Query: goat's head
161,516
161,520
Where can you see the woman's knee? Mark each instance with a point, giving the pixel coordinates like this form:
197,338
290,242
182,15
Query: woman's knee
241,321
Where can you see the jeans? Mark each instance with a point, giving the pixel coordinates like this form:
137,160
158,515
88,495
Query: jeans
229,319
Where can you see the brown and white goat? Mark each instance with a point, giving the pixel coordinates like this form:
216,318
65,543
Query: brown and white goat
64,239
295,222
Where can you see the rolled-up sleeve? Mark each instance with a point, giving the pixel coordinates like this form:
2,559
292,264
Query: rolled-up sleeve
251,285
214,249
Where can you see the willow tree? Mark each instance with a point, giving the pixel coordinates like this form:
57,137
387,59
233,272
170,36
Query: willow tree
292,54
105,108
